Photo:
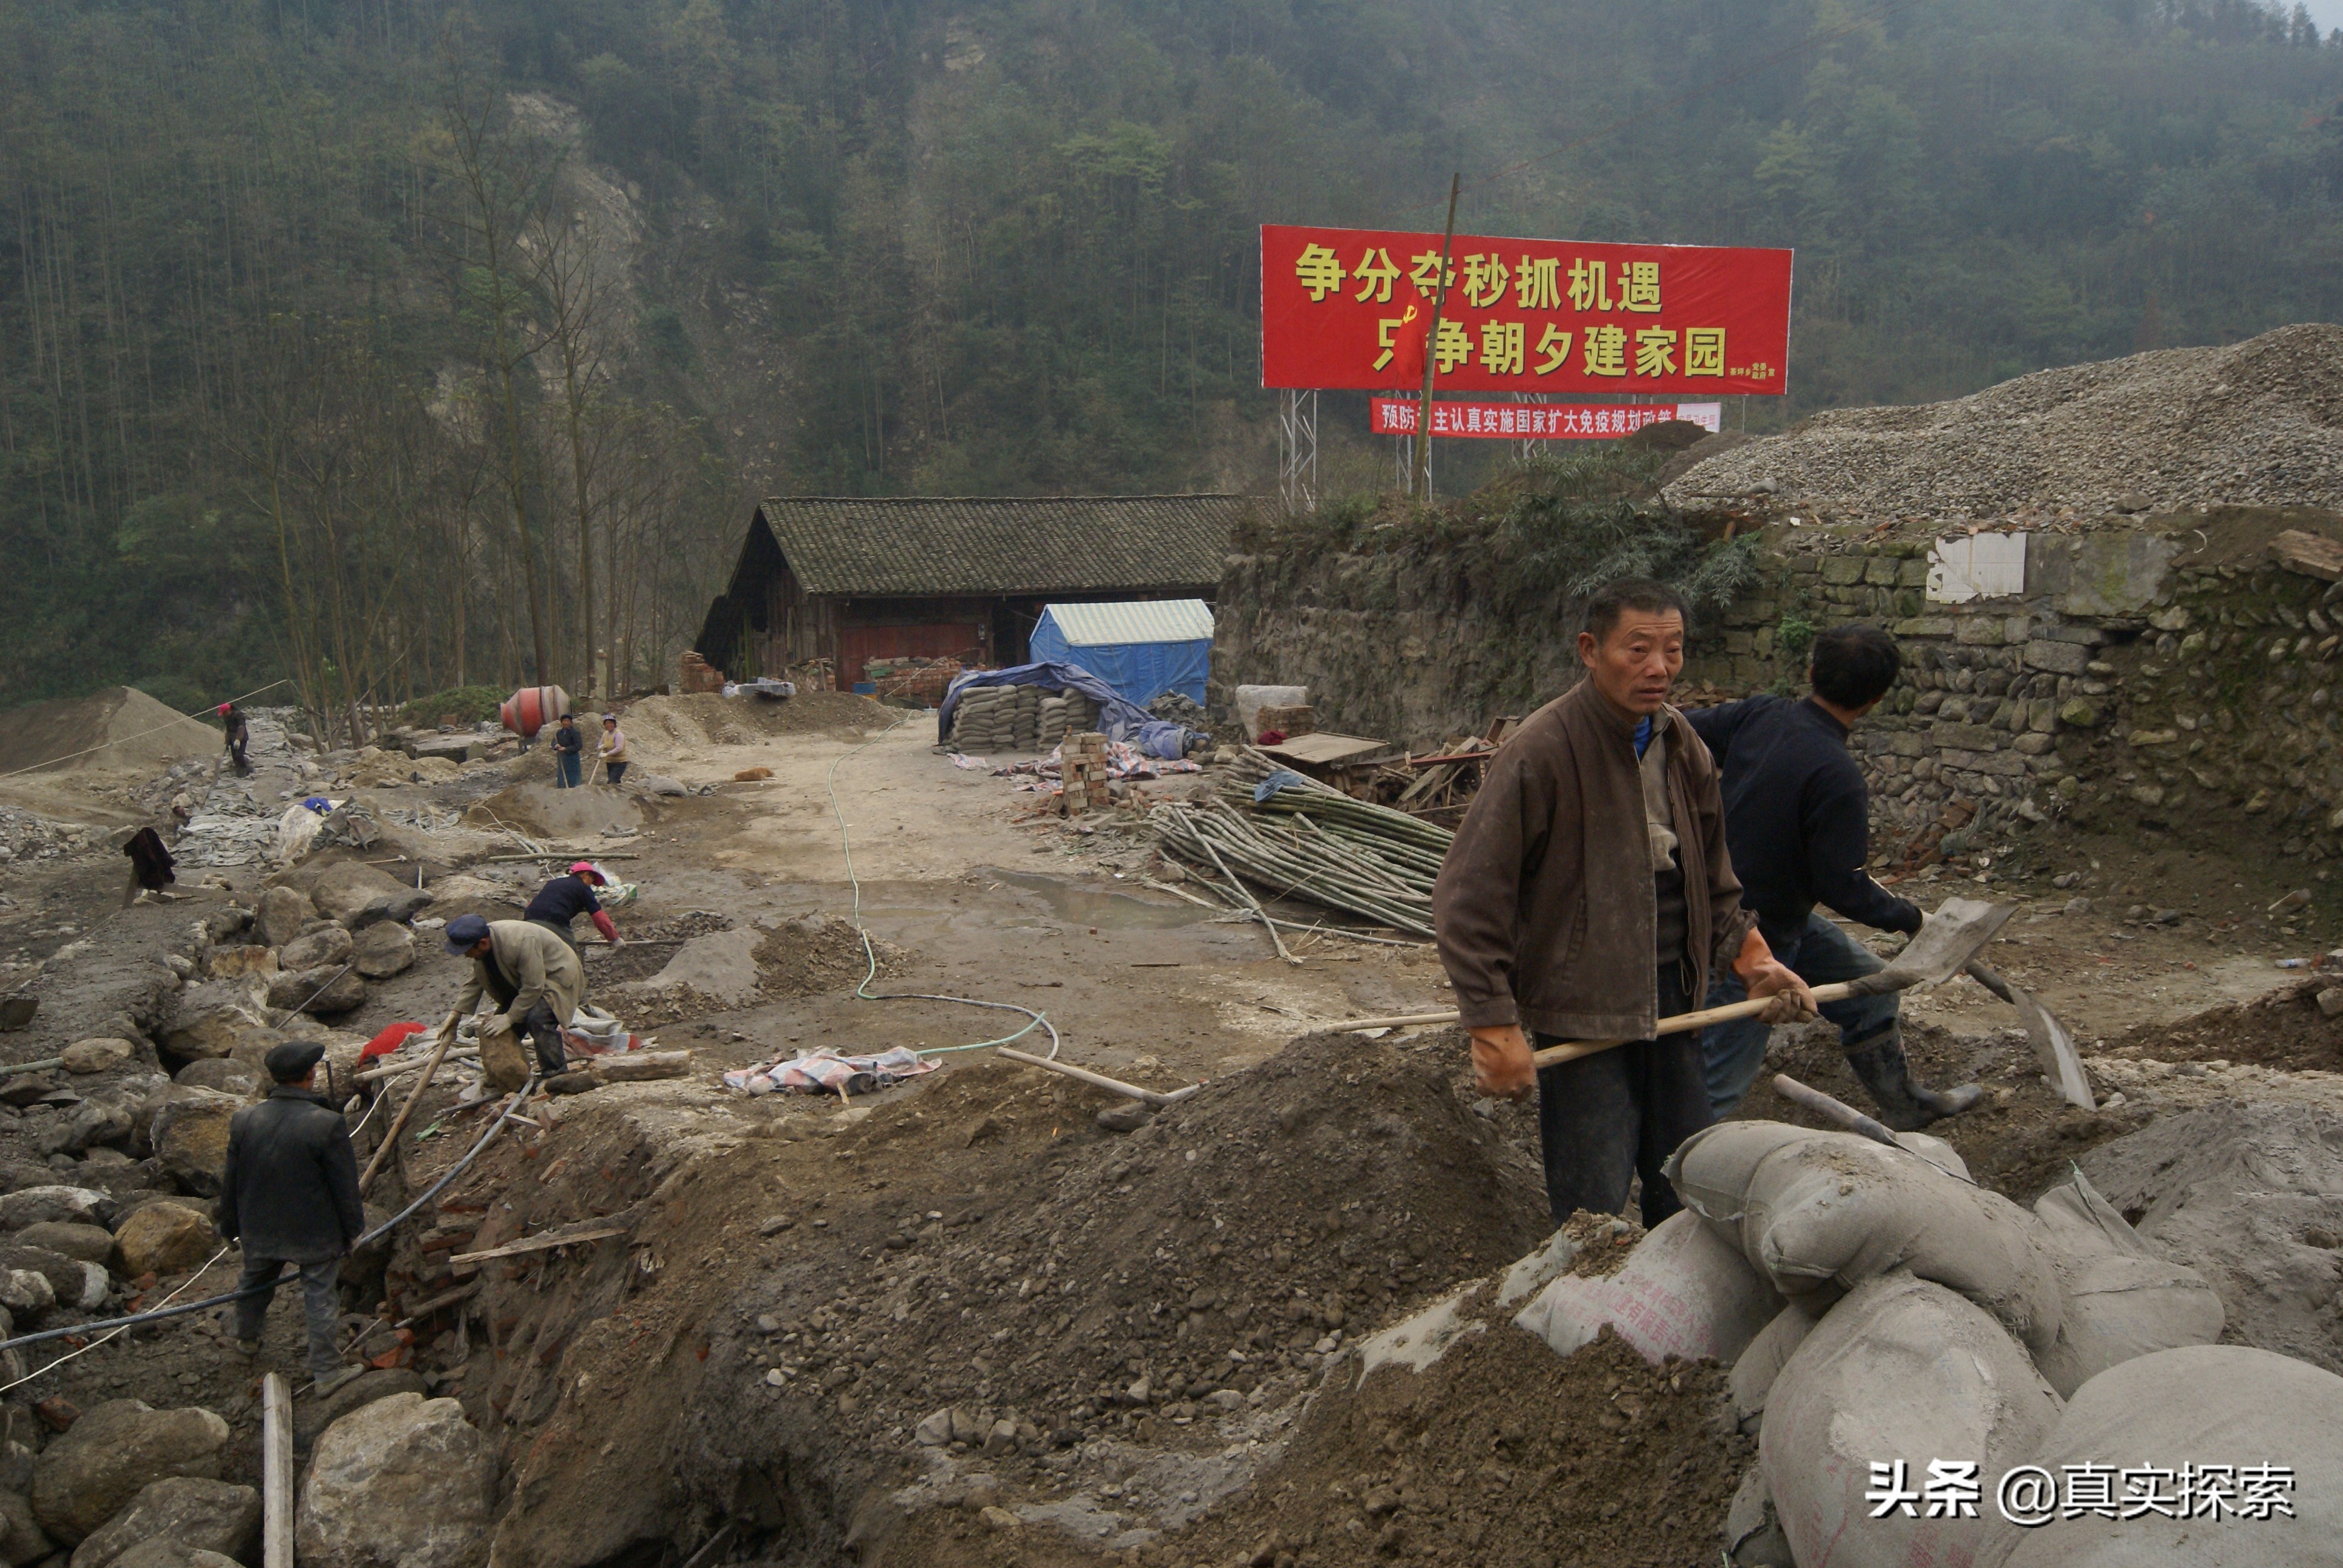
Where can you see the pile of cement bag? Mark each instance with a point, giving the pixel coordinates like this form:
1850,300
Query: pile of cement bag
1065,713
998,718
1884,1314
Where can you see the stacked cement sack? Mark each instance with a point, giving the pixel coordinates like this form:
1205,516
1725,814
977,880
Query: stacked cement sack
998,718
1904,1341
1064,713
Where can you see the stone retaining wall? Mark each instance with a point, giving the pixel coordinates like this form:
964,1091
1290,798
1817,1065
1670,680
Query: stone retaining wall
2163,673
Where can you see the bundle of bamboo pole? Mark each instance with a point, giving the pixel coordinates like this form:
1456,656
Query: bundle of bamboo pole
1305,840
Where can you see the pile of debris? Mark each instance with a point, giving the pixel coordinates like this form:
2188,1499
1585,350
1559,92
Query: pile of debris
2254,423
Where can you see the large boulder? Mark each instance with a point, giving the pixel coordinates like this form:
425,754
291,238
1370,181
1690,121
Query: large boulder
98,1054
32,1205
92,1470
282,913
74,1283
384,949
327,947
313,1416
329,988
165,1238
21,1539
190,1135
237,962
88,1244
358,895
207,1516
399,1483
90,1122
208,1018
26,1292
223,1075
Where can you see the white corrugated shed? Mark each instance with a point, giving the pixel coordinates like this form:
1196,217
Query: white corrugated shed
1152,620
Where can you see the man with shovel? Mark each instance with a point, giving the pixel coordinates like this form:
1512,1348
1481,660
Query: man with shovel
1797,817
1588,894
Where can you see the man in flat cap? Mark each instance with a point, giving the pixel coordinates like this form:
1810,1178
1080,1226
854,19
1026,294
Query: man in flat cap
290,1195
535,977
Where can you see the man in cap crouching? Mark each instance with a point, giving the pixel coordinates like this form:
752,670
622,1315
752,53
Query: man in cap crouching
289,1194
535,977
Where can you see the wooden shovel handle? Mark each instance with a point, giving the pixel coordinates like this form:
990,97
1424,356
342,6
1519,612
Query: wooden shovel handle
1570,1050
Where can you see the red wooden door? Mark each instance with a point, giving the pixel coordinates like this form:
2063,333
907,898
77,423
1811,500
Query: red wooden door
856,645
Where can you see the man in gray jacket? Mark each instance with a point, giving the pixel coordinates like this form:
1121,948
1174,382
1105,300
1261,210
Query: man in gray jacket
1587,895
289,1193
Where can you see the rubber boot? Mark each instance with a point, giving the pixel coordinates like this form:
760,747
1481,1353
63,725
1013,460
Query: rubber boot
1878,1060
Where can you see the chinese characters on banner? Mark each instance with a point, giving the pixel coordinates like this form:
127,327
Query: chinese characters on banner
1344,309
1540,421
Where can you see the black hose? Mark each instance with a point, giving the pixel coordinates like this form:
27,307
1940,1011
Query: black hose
104,1325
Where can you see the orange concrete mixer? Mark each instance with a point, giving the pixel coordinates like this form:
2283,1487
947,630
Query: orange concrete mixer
533,707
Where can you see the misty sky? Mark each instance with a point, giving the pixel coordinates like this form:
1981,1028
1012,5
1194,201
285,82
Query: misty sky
2328,12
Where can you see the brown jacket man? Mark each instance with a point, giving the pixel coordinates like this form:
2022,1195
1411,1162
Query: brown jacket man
1588,894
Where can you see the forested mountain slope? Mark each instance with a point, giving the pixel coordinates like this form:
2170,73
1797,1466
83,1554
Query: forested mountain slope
392,344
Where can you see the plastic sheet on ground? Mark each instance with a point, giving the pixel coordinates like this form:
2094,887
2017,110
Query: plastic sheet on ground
1122,761
827,1072
218,838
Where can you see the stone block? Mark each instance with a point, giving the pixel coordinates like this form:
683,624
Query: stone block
1881,571
1841,570
1964,737
90,1471
2033,744
1978,631
1925,626
2078,714
2059,657
1912,573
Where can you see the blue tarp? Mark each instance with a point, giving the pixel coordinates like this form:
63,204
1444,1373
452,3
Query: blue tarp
1142,649
1118,720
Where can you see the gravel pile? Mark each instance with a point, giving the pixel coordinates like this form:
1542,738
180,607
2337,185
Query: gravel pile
2254,423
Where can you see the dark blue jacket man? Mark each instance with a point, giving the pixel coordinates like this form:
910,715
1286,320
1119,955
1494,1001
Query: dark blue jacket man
289,1194
1797,821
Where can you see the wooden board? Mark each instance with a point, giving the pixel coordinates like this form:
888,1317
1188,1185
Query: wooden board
538,1244
1327,748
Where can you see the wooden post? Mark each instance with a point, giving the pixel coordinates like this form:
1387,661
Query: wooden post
415,1098
276,1472
1432,341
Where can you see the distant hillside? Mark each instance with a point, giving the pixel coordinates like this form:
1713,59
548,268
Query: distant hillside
273,399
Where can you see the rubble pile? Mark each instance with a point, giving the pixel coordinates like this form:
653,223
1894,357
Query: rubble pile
1240,1235
2254,423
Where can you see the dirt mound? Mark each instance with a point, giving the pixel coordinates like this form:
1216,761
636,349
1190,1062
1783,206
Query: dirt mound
130,729
2284,1030
539,809
1334,1185
2254,423
662,726
1499,1453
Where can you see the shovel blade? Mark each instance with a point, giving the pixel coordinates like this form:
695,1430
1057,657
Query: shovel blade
1948,940
2054,1048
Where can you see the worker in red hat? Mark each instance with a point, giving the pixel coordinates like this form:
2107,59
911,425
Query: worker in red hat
561,900
240,735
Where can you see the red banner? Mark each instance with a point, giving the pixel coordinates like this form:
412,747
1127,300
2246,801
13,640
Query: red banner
1350,308
1540,421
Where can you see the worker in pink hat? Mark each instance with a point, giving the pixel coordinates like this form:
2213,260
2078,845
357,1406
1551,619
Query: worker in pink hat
240,735
563,900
